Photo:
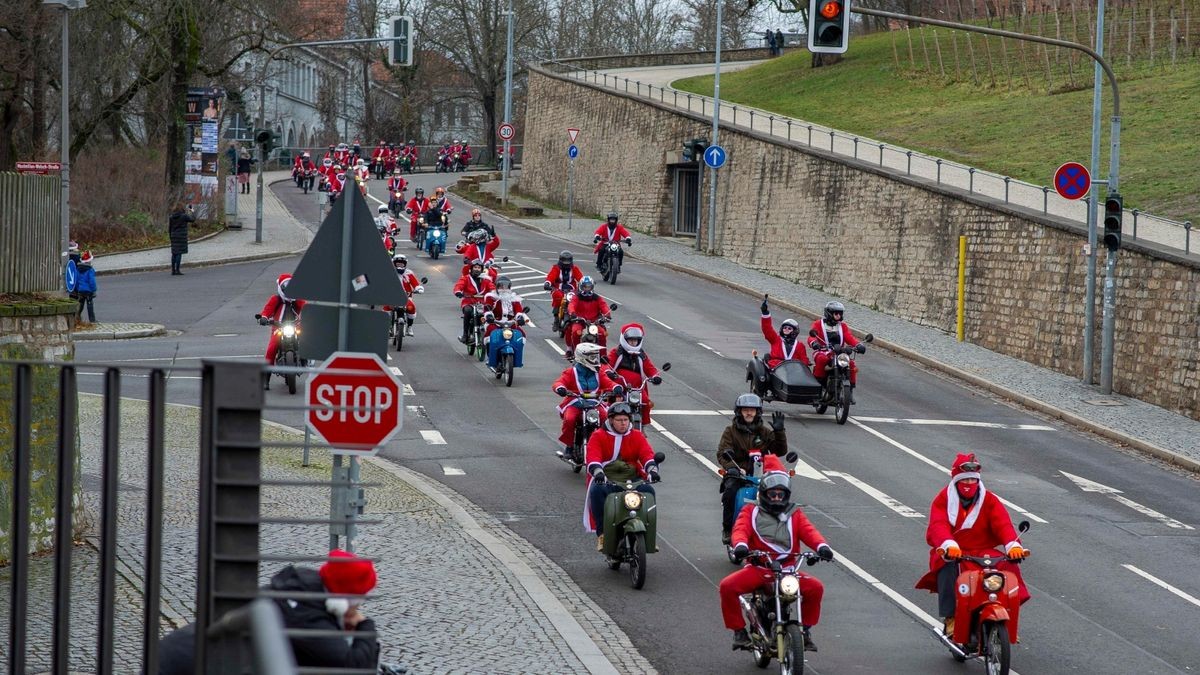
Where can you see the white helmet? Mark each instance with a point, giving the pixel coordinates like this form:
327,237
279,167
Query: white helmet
632,331
382,208
587,354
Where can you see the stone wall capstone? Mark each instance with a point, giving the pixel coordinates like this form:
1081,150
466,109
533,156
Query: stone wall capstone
884,240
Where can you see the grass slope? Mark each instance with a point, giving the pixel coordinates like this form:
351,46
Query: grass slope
1022,134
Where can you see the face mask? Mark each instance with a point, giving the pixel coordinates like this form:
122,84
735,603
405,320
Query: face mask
966,490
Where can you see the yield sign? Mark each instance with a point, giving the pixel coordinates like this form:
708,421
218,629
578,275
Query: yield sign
1072,180
572,133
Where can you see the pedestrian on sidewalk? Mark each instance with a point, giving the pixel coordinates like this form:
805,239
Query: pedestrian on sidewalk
180,220
231,154
769,37
243,172
778,42
85,287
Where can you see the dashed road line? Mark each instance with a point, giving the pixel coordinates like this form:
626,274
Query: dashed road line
452,471
950,423
877,495
1116,495
1159,582
395,370
711,349
517,288
408,390
552,343
433,437
684,446
659,322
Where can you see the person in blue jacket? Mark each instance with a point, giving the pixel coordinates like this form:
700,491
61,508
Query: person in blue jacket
85,287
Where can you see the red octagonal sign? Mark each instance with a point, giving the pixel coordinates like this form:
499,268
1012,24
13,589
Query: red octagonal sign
355,403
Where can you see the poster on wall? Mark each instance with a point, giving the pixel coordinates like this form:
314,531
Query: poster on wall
201,166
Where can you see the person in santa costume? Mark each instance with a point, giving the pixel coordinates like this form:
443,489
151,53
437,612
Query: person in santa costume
616,452
415,208
412,285
834,335
472,289
565,273
777,527
965,518
633,364
479,245
504,304
786,344
611,230
584,377
279,307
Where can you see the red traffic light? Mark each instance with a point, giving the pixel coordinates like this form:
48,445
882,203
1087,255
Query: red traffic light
830,10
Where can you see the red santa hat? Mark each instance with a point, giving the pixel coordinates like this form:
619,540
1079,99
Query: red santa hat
86,258
635,330
772,464
350,574
281,283
965,467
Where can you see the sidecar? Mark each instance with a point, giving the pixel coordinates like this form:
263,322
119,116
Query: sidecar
789,382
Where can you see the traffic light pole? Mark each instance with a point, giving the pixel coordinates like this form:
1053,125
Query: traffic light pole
1089,307
1114,164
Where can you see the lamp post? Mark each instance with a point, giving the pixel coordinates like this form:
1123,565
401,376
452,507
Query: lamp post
65,122
507,159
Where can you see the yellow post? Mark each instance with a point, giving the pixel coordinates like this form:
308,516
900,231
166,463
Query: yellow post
962,284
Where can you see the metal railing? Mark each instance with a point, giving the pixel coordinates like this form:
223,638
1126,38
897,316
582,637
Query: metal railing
1138,224
30,233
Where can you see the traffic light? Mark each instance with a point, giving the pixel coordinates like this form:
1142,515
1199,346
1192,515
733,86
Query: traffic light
693,150
828,26
1113,209
269,140
400,52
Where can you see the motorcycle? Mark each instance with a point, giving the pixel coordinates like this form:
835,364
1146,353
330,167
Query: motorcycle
635,396
434,237
456,163
630,526
593,331
611,257
396,203
508,343
443,163
986,613
748,491
289,347
560,323
836,391
400,320
475,337
308,179
588,422
774,632
406,164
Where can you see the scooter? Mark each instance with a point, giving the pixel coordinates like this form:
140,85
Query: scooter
588,422
635,396
308,180
747,493
987,611
507,342
630,527
774,632
435,237
836,391
287,355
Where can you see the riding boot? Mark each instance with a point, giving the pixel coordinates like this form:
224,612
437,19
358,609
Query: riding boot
741,639
852,401
809,645
408,331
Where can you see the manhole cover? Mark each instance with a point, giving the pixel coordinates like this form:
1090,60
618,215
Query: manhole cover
1103,401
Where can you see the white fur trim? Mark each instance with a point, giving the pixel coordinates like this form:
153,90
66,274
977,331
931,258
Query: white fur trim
337,607
952,501
948,543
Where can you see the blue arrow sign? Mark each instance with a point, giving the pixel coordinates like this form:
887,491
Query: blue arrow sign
714,156
573,151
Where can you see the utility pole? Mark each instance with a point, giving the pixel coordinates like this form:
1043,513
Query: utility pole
1089,310
508,67
64,141
712,179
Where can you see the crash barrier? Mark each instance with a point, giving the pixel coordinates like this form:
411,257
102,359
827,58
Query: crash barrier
30,233
1006,189
426,156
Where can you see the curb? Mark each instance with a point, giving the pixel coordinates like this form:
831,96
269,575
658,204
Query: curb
197,240
206,263
86,336
1171,457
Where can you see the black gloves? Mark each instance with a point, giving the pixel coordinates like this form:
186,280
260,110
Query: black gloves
520,321
777,421
825,553
560,390
740,552
596,239
657,379
619,390
599,477
546,286
860,348
764,308
458,294
629,242
654,477
264,321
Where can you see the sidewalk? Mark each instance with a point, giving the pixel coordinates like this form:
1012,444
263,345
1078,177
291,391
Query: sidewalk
458,591
117,330
1148,428
283,235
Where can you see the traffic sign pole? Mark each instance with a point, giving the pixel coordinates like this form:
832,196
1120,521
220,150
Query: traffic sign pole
712,189
571,187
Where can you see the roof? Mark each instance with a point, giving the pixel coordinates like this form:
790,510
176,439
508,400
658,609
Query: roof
320,19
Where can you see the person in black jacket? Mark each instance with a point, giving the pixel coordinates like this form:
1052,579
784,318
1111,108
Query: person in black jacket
359,649
180,220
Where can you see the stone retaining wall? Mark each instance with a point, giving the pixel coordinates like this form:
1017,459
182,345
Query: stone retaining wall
880,239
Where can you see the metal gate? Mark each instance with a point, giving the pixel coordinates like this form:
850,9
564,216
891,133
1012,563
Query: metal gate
686,191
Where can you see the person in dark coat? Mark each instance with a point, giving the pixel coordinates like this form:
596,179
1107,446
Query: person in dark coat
770,39
358,649
180,220
778,42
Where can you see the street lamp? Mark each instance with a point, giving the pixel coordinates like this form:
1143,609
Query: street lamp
65,122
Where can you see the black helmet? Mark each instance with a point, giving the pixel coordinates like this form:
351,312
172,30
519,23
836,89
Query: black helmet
503,282
474,272
773,482
613,217
620,408
566,258
834,307
419,191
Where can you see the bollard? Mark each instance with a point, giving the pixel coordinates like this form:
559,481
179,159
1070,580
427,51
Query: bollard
1006,179
856,147
676,92
1135,215
751,118
971,179
771,128
810,135
831,140
881,154
1045,199
939,172
735,114
909,169
1187,236
789,122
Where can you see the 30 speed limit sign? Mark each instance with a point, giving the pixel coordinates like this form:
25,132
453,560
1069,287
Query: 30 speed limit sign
507,132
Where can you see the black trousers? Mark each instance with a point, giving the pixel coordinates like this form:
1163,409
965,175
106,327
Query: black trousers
946,580
729,489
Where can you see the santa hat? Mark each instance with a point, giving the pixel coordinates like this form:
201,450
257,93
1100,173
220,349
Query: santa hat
350,574
641,332
772,464
282,283
86,258
72,247
958,472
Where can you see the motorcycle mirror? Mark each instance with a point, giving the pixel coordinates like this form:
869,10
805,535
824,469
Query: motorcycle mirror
613,306
812,332
258,316
666,366
424,280
1023,527
659,458
791,457
505,259
869,338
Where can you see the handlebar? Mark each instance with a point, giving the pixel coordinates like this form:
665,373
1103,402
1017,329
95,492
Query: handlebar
808,557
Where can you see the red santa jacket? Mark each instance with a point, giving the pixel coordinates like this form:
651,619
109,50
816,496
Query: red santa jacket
606,233
466,151
397,184
632,367
409,281
833,335
442,205
570,379
417,206
379,153
470,286
505,307
749,530
276,305
472,252
336,180
555,276
779,351
589,309
606,446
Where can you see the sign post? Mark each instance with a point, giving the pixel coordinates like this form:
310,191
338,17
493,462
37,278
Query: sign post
572,153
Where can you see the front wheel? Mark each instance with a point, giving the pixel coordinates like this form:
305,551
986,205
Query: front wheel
791,657
290,379
841,410
434,252
995,642
509,359
637,560
399,339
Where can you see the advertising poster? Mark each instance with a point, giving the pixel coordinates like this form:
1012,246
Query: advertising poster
201,166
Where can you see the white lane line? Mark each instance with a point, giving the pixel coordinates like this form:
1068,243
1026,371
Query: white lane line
169,358
685,447
949,423
686,412
659,322
433,437
1159,582
554,344
225,334
452,471
529,295
935,465
523,275
395,370
877,495
408,390
711,349
518,287
1112,492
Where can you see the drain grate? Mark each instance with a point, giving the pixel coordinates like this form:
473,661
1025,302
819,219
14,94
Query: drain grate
1103,402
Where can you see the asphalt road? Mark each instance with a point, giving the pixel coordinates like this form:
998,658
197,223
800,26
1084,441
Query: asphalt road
1109,571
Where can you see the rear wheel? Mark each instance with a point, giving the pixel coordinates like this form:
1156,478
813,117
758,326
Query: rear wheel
509,360
841,410
637,560
995,643
791,661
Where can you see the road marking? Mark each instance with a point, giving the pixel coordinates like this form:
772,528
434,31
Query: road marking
686,412
877,495
711,349
526,286
1092,486
433,437
526,296
408,390
225,334
685,447
934,464
452,471
169,358
949,423
169,377
554,344
1159,582
395,370
659,322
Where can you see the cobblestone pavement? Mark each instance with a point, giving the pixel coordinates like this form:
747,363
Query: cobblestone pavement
1130,421
282,235
444,603
117,330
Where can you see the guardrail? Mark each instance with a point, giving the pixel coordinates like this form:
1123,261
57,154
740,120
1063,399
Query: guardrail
1005,189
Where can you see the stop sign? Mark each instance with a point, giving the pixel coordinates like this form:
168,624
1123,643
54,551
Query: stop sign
354,412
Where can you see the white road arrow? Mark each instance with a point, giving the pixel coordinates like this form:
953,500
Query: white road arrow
1092,486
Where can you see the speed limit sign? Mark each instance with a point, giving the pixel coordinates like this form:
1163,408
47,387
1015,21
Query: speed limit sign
507,132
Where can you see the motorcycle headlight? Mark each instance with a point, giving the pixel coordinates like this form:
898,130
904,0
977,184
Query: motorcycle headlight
614,247
635,397
592,416
633,500
843,360
507,334
289,330
593,330
993,582
789,587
